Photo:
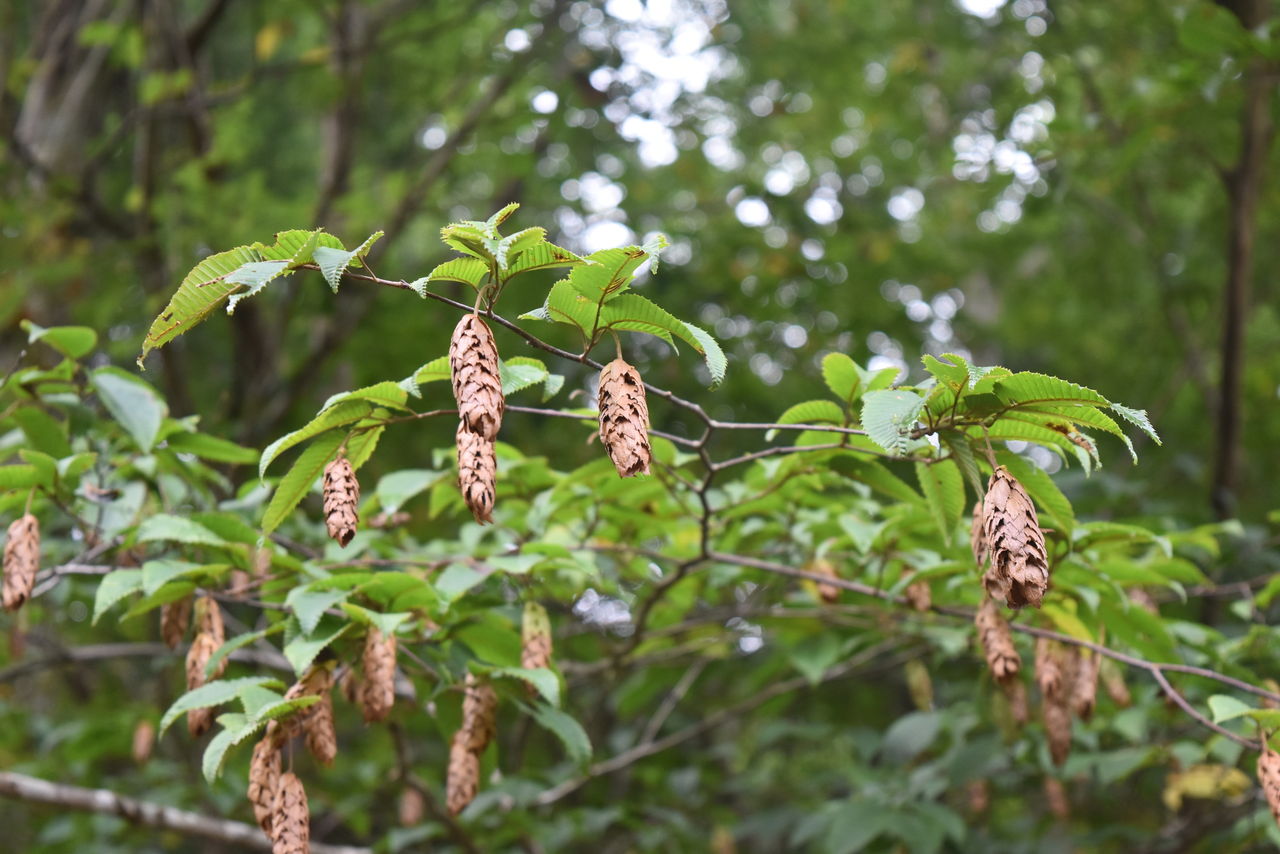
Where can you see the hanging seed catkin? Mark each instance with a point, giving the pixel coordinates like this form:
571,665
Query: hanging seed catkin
535,637
290,818
477,473
477,386
1269,778
479,713
1019,571
174,619
1084,687
198,655
21,561
350,685
977,536
341,498
624,418
997,641
144,739
1057,726
1015,694
978,794
1050,670
378,692
264,779
1113,682
314,721
462,780
828,593
1055,794
919,595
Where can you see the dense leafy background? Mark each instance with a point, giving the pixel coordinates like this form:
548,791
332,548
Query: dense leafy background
1029,185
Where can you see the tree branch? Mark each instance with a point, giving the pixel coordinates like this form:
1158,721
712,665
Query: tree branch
146,814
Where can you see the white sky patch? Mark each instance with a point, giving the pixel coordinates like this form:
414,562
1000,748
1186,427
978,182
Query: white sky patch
905,204
981,8
752,211
605,234
545,102
517,41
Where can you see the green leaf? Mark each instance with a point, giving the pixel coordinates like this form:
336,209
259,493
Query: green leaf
302,649
813,412
943,489
71,341
635,313
1137,417
211,694
567,729
607,272
198,295
255,275
342,414
876,476
235,643
46,466
158,573
164,527
541,678
386,393
385,623
517,374
842,376
334,262
296,483
541,256
296,245
1225,708
216,753
43,431
19,477
396,488
468,271
1027,387
309,605
210,448
856,823
889,416
138,407
115,585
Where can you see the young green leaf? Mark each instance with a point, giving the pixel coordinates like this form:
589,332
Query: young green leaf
889,416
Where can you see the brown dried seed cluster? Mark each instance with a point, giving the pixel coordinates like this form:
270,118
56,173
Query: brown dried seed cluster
1056,670
144,739
1019,571
919,595
977,537
210,635
341,498
1056,796
479,713
997,642
264,779
174,619
978,793
290,819
378,691
1057,725
21,561
1113,681
1016,696
828,593
463,777
314,721
535,637
477,473
624,418
1084,688
1269,778
1050,675
479,726
477,386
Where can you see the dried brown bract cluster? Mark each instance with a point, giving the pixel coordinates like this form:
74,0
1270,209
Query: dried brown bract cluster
1055,675
919,594
174,619
264,779
341,497
479,726
997,642
477,473
1019,571
535,637
1084,688
378,689
477,386
1269,778
21,561
290,818
462,780
1055,794
828,593
210,635
314,721
624,418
